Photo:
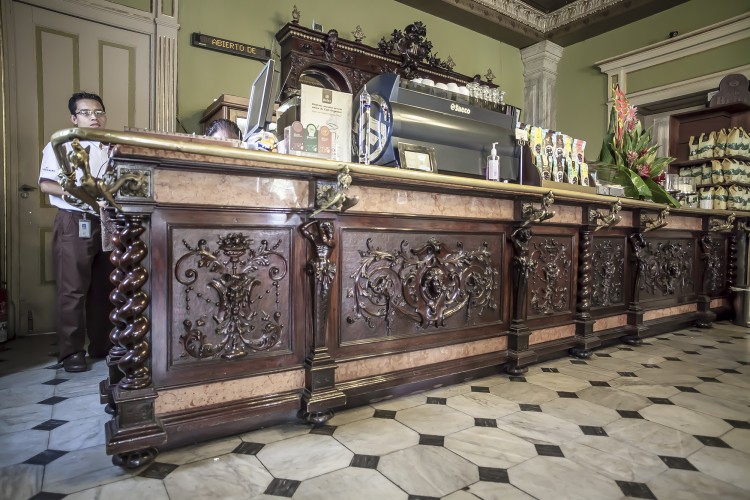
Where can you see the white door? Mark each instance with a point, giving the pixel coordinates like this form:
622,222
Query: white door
56,55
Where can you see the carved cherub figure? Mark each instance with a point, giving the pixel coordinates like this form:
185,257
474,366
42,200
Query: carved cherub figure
335,196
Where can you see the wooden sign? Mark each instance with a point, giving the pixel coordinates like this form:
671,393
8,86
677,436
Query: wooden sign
230,47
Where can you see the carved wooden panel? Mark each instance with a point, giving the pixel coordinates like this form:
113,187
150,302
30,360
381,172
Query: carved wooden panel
550,284
668,268
398,283
713,252
231,294
608,268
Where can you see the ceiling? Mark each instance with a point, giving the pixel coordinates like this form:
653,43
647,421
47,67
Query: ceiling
522,23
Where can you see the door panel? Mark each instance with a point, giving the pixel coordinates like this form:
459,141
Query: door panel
57,55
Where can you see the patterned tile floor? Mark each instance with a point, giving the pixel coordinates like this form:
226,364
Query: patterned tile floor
667,420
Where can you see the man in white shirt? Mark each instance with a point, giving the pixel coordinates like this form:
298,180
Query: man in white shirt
82,269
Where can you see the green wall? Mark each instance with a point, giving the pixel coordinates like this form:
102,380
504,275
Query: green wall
582,89
204,75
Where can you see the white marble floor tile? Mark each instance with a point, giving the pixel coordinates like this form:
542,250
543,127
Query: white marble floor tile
200,451
555,478
303,457
490,447
83,469
691,367
482,405
16,447
519,392
492,380
23,396
276,433
400,403
652,437
739,380
448,391
558,382
690,485
79,434
376,436
21,481
726,464
613,458
420,470
614,399
588,372
539,428
21,418
712,406
614,364
27,378
438,420
229,476
580,412
645,388
666,377
352,482
638,356
136,487
497,491
688,421
739,439
352,415
78,407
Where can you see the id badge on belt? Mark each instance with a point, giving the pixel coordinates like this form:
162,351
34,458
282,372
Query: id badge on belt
84,227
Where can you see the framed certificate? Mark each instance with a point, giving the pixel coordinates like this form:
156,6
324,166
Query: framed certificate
415,157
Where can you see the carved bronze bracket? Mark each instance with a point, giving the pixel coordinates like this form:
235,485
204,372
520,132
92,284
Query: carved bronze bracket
602,221
716,224
531,215
90,190
332,196
650,223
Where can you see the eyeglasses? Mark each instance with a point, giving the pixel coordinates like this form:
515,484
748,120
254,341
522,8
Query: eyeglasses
89,112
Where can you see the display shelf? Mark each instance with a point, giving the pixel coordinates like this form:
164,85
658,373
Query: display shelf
701,161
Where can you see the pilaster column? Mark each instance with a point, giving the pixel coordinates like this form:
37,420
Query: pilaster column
540,83
165,66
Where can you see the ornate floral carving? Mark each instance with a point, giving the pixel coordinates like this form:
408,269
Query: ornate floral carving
712,255
521,12
667,267
608,264
427,284
551,262
413,47
236,287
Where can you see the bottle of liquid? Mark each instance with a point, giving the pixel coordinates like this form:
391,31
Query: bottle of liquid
493,165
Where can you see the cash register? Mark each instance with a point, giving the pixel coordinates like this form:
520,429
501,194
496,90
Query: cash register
458,128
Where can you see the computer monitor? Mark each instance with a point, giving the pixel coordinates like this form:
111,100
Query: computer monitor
260,107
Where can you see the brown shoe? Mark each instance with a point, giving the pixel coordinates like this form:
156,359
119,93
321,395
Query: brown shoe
75,363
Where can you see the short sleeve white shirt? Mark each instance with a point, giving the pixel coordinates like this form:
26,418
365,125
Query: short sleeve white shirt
50,169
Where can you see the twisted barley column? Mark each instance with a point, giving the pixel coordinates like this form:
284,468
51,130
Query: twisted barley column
134,301
584,276
732,260
116,297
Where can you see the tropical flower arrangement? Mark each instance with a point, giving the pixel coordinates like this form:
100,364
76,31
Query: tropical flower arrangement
629,159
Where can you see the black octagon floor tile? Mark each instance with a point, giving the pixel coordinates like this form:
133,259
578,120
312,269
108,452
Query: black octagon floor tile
283,487
710,379
513,379
549,450
629,414
527,407
672,358
661,401
729,370
50,424
480,389
738,424
565,394
493,475
603,355
677,463
52,401
45,457
430,440
592,430
45,495
627,374
485,422
578,362
436,401
682,388
323,430
635,490
158,470
248,448
55,381
365,461
384,414
550,370
712,441
599,383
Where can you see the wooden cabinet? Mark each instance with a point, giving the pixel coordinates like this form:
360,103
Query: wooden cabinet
693,123
228,107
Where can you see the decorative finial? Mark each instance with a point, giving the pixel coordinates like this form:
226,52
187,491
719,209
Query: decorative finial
359,35
295,15
450,63
489,76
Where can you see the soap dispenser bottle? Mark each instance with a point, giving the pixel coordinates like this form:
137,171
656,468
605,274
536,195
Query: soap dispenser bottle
493,165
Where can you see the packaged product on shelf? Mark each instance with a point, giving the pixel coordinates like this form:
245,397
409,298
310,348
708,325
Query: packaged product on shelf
744,142
536,143
720,198
686,172
560,162
549,155
732,170
744,171
697,174
706,173
734,139
706,145
706,197
721,143
571,167
746,198
717,173
692,148
579,148
735,198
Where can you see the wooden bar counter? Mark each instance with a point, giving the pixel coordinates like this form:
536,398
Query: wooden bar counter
237,306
